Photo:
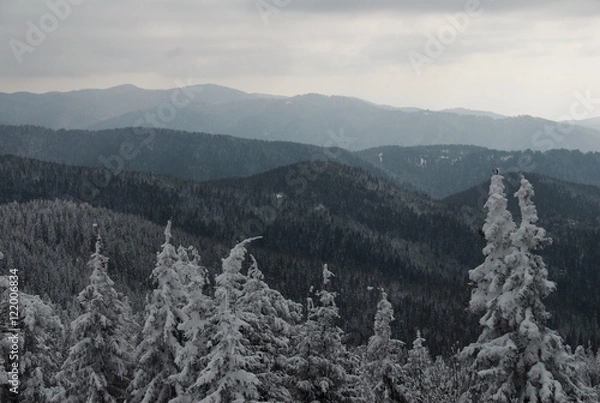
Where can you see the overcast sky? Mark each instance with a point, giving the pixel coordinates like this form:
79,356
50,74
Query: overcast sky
507,56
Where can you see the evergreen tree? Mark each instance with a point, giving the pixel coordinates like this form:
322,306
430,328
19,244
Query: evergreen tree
271,319
40,340
418,367
161,337
447,380
322,369
517,358
226,369
383,370
488,281
190,359
488,278
98,366
43,340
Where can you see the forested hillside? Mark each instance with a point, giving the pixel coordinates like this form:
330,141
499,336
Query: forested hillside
443,170
438,170
308,214
372,232
185,155
52,239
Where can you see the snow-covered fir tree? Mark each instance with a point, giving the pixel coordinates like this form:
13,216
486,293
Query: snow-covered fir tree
99,363
517,358
417,366
447,380
585,361
43,340
322,369
40,340
161,337
198,309
488,281
589,366
488,278
272,321
189,266
226,371
382,369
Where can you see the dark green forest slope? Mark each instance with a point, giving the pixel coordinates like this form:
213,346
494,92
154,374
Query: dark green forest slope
51,240
438,171
308,214
443,170
367,229
185,155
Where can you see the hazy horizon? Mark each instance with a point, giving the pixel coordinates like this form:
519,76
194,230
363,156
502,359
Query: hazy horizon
536,58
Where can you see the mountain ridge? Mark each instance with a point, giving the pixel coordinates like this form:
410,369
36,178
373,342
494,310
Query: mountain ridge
322,120
438,170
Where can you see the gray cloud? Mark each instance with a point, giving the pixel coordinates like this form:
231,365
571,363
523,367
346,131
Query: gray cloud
575,7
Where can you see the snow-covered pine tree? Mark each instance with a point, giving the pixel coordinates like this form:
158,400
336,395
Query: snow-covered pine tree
198,309
517,358
161,337
585,361
447,379
547,370
99,363
488,281
488,278
272,320
225,374
322,369
417,369
41,339
382,368
193,274
590,367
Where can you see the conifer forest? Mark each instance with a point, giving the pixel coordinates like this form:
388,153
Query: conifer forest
228,336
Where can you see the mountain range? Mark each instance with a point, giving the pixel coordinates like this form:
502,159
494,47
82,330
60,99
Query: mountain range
328,121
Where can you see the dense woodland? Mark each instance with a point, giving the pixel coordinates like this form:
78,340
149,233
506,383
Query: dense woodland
437,170
371,232
444,170
229,336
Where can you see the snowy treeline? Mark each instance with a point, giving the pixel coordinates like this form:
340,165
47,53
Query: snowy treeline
234,339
